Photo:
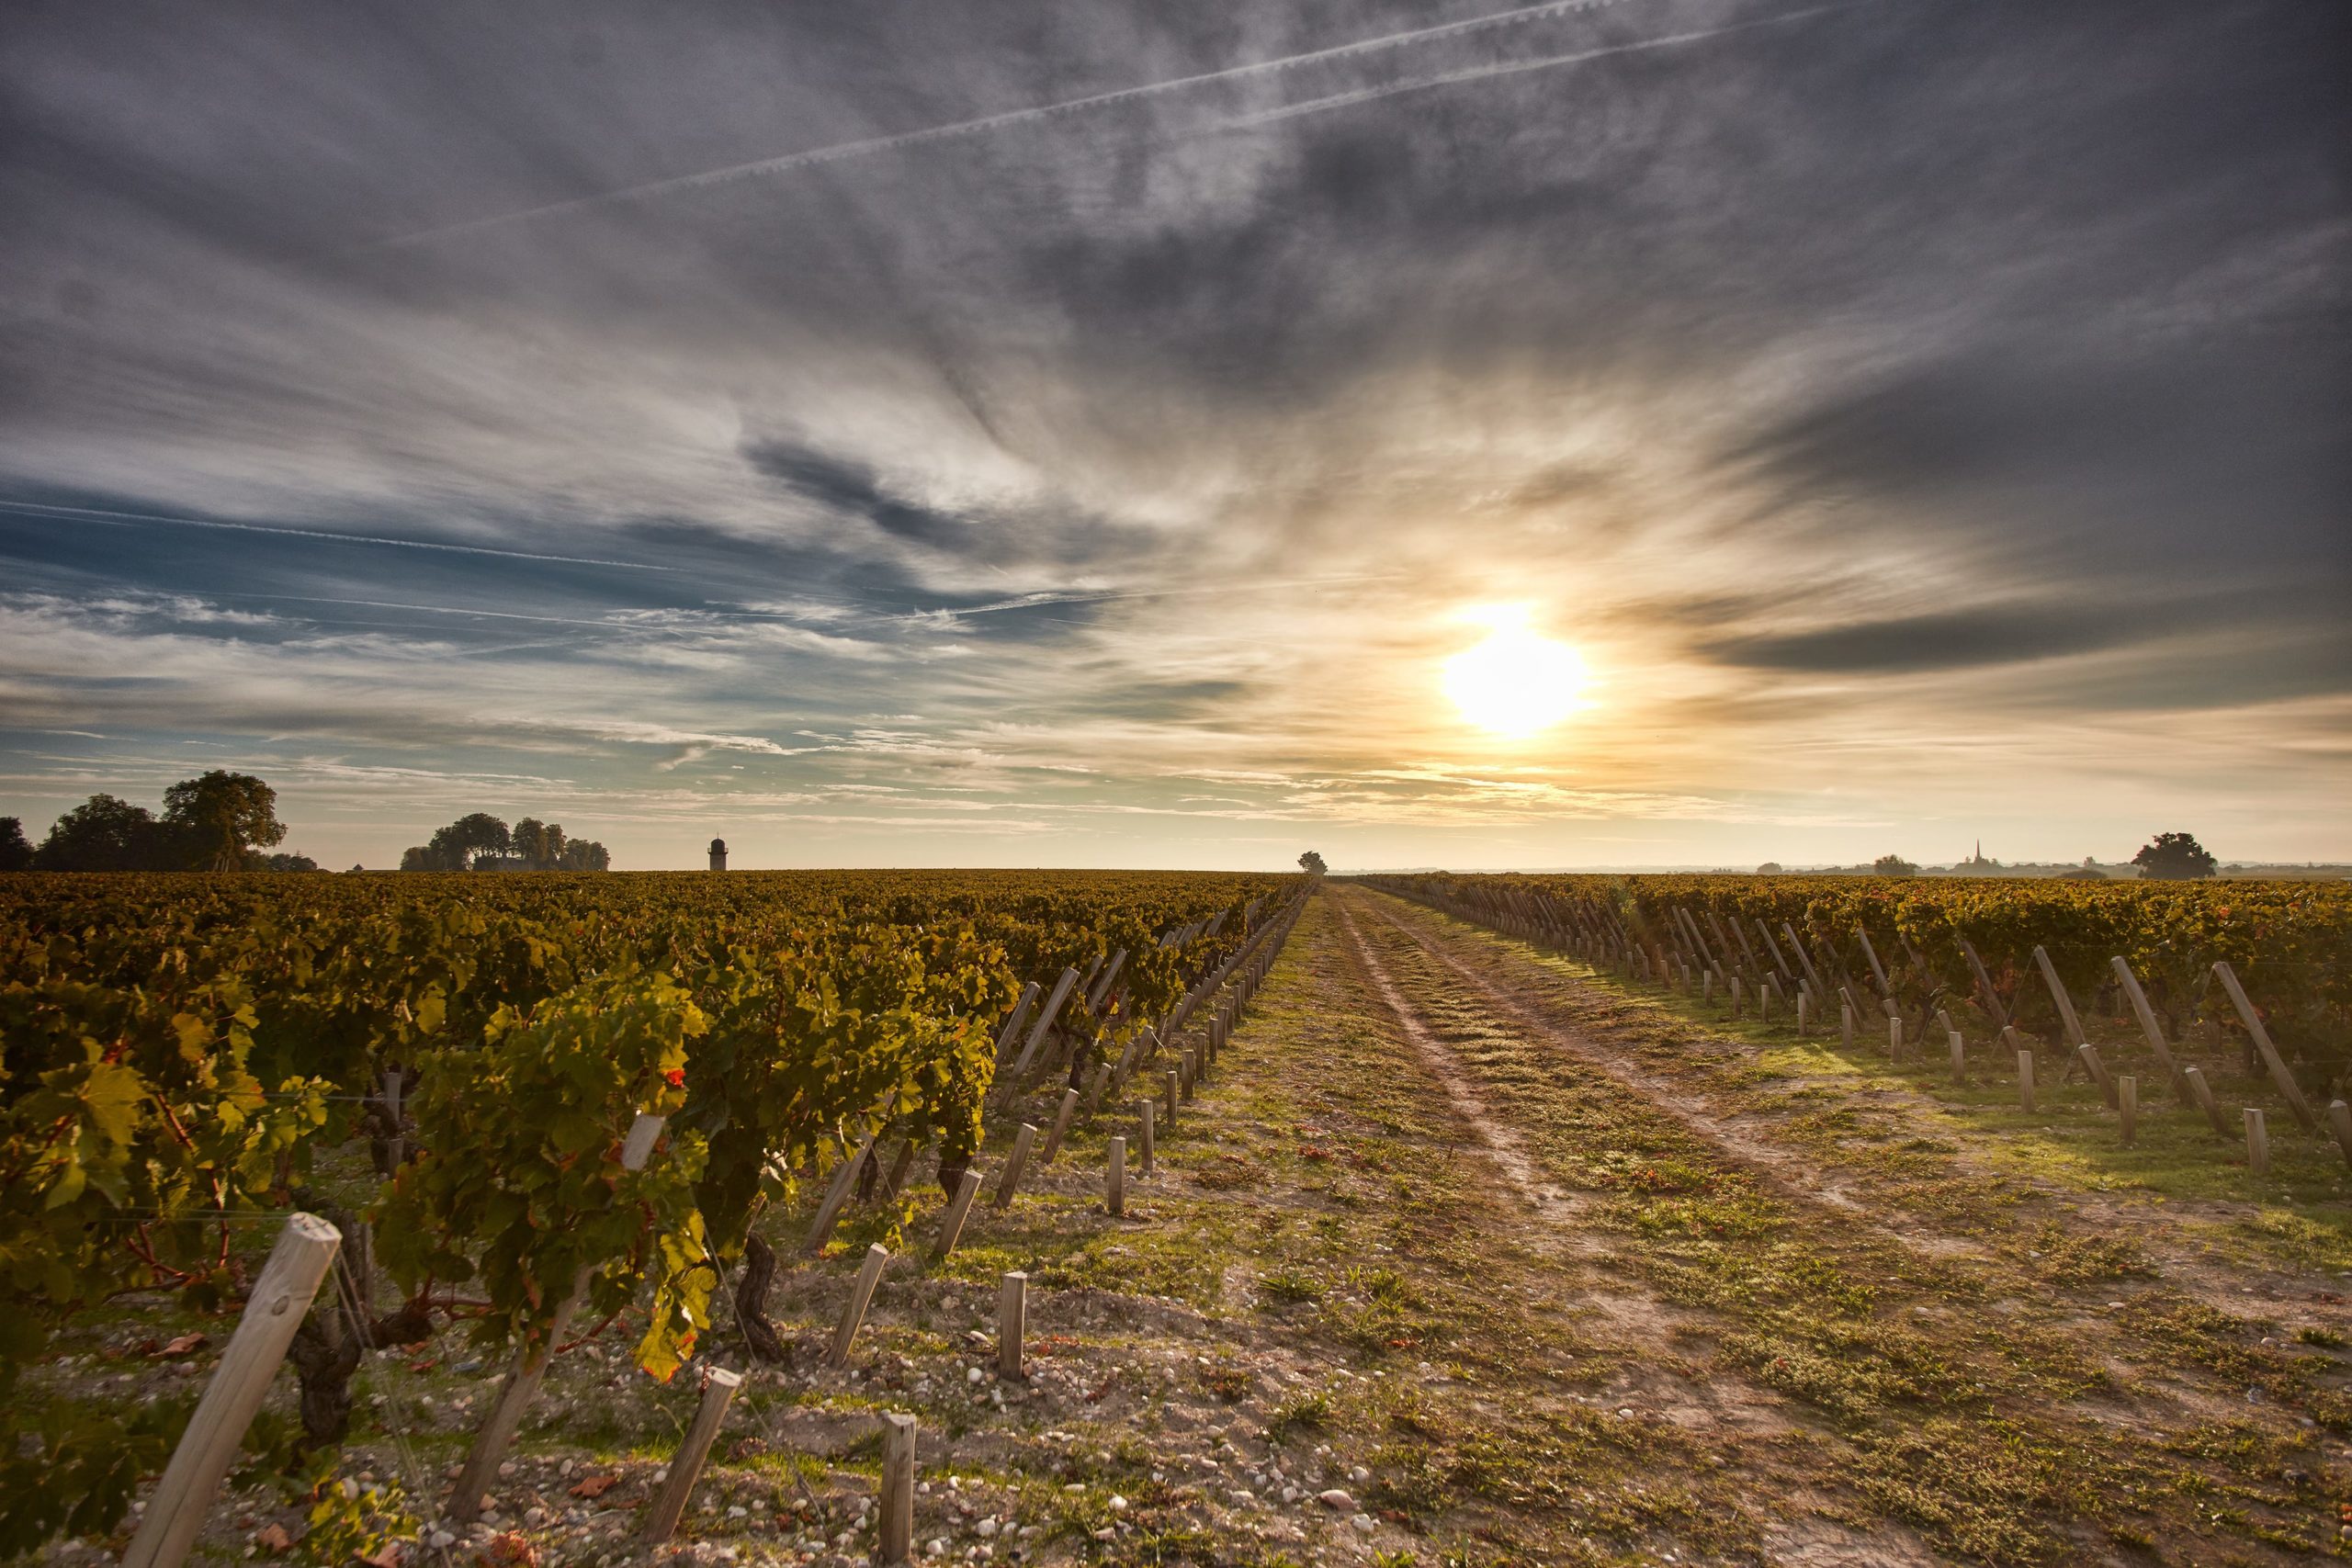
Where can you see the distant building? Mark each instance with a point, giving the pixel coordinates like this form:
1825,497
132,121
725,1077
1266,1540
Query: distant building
1978,864
718,855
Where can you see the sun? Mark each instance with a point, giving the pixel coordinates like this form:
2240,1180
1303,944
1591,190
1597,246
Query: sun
1517,681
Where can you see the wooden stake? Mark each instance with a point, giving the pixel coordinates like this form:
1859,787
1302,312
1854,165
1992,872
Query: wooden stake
1169,1089
2200,1093
1735,996
1845,1027
1114,1190
524,1374
2147,1016
1062,1114
1895,1039
893,1184
2098,1069
1959,1056
1145,1106
2257,1143
1802,1000
1010,1182
1011,1325
861,1296
2288,1089
2339,1121
2127,1100
951,1225
2058,995
897,1525
281,1295
837,1196
685,1466
2025,1081
1046,1020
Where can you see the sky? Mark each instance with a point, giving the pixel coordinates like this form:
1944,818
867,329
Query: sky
1086,432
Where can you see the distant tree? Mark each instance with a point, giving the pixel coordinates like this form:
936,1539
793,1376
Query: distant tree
282,863
540,845
475,834
15,850
1893,865
585,855
430,857
1770,868
217,817
2174,857
1312,864
104,833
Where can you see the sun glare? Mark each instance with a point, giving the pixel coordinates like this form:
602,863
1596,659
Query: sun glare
1517,681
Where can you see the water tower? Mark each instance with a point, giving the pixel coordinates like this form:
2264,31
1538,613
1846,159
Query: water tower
718,855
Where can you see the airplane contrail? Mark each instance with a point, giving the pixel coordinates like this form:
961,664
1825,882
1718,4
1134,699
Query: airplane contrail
1513,67
132,519
867,146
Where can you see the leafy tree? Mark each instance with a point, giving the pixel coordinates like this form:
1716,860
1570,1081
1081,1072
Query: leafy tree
217,817
284,863
429,857
1770,868
539,844
1312,864
585,855
15,850
104,833
2174,857
475,834
1893,865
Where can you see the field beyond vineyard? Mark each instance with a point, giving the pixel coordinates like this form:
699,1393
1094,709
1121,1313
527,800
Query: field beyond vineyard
1491,1234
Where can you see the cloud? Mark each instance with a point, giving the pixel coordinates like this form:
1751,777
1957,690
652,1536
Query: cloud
1943,388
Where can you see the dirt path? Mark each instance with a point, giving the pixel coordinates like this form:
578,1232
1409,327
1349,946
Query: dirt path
1710,1084
2075,1346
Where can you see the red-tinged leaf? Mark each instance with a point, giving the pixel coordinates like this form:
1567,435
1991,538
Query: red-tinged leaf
186,1344
272,1539
597,1485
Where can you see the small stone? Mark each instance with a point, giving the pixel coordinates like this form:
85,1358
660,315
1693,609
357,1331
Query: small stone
1118,1503
1338,1501
1364,1524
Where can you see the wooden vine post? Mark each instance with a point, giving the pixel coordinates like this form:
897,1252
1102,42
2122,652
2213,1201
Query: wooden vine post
1011,1325
1062,1114
1114,1193
861,1296
2201,1094
281,1295
897,1525
2127,1102
2289,1089
951,1225
1018,1162
686,1467
2257,1143
521,1384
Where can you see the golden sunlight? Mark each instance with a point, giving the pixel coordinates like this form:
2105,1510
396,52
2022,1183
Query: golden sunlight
1518,680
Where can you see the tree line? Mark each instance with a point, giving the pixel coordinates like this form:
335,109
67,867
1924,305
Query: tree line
218,821
479,842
